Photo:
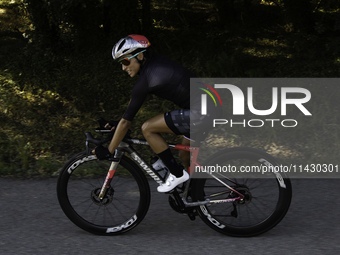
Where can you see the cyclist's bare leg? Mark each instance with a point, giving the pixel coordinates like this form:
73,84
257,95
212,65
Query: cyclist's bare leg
151,129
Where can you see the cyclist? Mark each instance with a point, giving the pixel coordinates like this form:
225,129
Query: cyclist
160,76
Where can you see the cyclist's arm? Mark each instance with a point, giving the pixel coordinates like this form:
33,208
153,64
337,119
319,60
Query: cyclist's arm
139,94
121,130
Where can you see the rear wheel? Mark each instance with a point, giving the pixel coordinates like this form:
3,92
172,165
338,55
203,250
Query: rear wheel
124,205
267,196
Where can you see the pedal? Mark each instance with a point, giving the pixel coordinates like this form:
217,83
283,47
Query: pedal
234,212
192,215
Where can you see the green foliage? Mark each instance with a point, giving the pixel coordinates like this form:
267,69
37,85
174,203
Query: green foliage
80,23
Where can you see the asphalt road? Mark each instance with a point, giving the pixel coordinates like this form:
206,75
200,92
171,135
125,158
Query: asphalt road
31,222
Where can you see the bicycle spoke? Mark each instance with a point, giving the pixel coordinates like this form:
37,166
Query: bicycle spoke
123,204
264,201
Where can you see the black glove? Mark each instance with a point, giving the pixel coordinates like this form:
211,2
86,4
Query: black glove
102,152
107,124
112,124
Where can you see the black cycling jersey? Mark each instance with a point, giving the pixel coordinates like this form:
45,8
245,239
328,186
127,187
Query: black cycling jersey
164,78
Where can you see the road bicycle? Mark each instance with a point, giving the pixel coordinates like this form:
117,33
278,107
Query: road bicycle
112,196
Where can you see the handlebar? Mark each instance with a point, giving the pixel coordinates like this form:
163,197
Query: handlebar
102,122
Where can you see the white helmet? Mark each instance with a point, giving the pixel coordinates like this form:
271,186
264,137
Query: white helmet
129,44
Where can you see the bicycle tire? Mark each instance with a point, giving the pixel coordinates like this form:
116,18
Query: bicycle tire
260,211
124,206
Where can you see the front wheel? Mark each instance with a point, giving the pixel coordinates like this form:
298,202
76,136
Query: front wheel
124,205
267,195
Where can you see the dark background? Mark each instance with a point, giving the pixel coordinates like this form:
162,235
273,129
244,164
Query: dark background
57,74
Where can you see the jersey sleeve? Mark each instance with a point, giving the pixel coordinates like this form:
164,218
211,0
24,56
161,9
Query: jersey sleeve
138,96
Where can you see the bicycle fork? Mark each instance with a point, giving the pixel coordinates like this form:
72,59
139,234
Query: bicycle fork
113,167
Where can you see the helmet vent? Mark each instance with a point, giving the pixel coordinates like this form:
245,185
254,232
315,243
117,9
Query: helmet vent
121,45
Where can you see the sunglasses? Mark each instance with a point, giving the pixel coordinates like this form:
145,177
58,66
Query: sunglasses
126,61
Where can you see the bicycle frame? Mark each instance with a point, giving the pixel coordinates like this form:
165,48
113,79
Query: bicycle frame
125,147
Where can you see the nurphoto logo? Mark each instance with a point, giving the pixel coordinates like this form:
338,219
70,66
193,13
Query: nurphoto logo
204,97
284,97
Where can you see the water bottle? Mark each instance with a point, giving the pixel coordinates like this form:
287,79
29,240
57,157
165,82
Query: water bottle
159,166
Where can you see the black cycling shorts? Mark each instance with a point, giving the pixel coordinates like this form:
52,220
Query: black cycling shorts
180,122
